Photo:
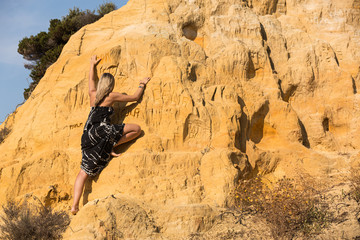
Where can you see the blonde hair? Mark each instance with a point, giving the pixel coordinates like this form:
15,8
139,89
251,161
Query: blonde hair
104,87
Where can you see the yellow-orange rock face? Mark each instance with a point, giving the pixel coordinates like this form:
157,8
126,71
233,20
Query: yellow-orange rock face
238,88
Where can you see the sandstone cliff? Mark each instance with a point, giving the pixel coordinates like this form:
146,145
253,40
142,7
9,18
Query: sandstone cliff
238,88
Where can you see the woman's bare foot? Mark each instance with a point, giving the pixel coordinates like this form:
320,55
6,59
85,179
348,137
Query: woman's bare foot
115,154
74,210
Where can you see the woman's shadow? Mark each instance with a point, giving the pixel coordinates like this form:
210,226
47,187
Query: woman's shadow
120,112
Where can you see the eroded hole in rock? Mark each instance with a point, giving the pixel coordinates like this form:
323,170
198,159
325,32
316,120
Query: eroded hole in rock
263,33
190,31
250,68
186,127
290,91
241,135
305,139
325,124
257,123
213,96
271,61
353,85
192,75
337,61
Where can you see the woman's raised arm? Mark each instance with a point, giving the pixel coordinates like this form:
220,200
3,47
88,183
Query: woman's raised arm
92,85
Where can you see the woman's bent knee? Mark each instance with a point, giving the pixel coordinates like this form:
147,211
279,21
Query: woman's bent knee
131,131
130,127
138,129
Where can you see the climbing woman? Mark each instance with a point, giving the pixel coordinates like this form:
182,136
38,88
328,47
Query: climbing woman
100,136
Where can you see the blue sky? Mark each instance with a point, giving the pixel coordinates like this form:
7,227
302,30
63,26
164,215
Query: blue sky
19,19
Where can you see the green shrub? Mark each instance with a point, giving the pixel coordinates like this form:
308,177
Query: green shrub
43,49
106,8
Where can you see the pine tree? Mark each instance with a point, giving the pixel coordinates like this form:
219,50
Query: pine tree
43,49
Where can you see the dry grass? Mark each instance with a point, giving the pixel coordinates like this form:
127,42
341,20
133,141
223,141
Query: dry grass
21,221
289,209
355,184
355,190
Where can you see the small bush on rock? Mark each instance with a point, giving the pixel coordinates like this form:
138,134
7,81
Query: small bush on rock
21,221
3,133
288,208
355,184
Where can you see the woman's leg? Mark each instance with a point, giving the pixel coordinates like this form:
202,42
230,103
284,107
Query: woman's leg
131,131
78,189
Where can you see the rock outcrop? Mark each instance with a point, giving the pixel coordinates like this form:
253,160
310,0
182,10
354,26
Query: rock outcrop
238,88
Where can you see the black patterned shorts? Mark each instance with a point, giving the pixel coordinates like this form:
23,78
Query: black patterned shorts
97,143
